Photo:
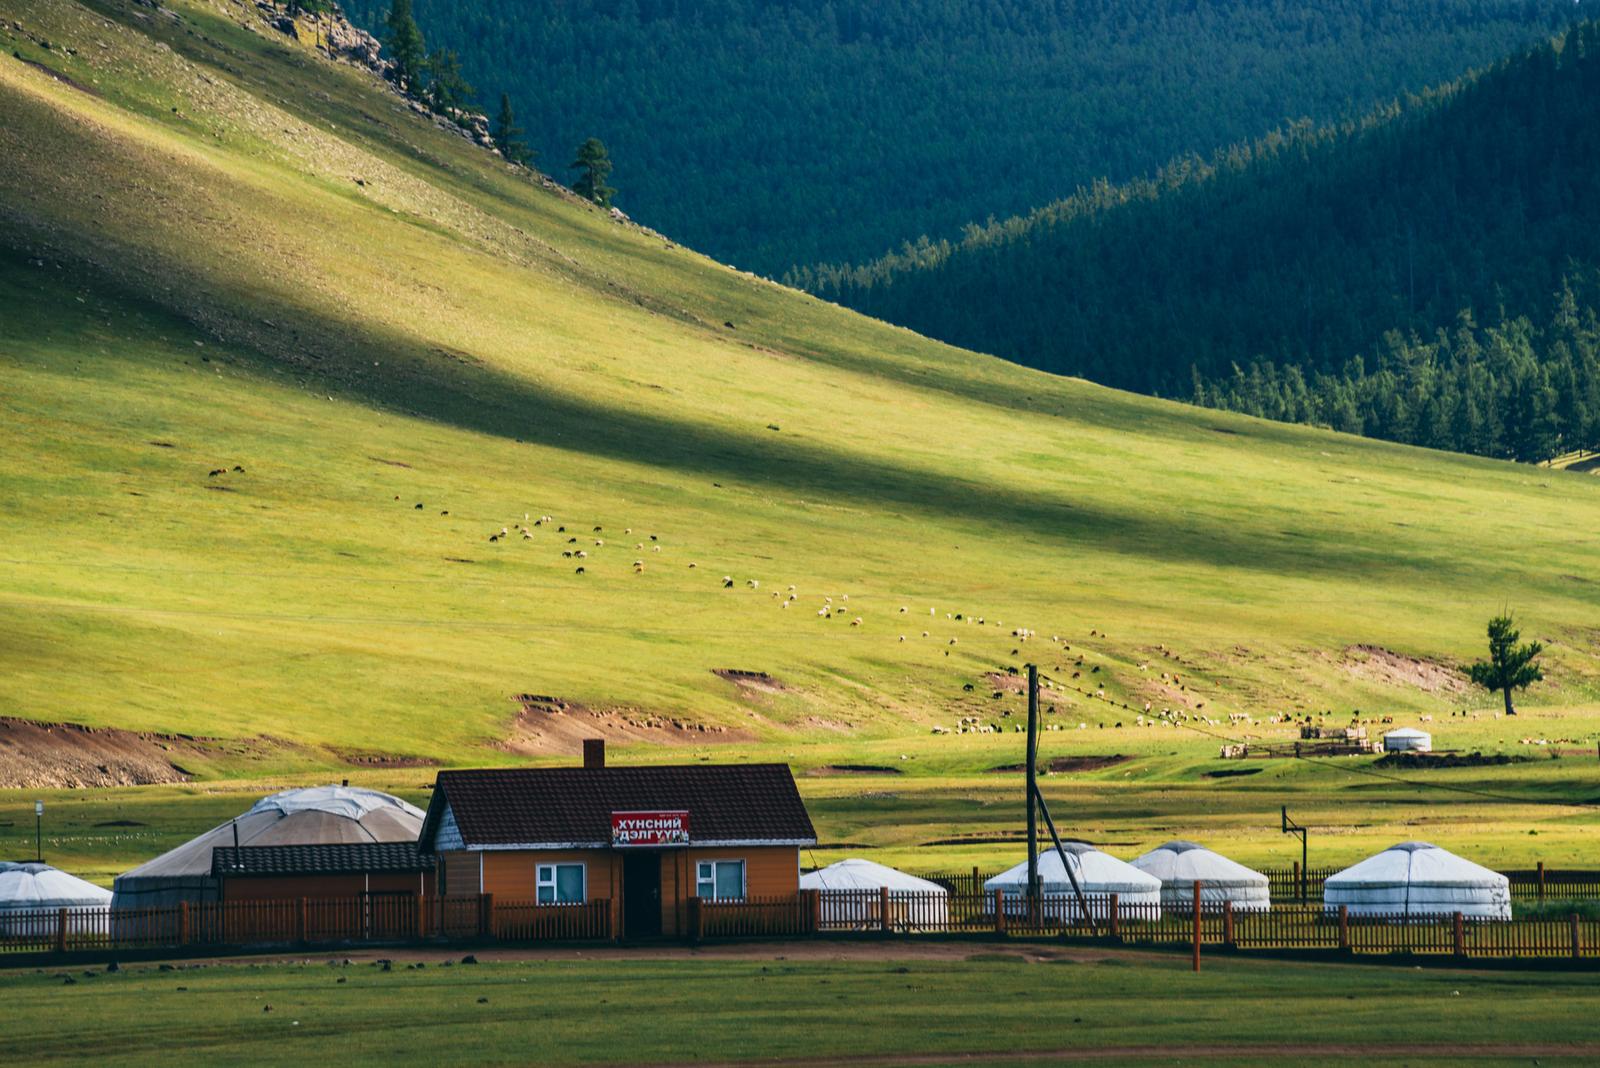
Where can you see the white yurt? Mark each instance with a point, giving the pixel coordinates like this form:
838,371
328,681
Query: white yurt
1099,875
313,815
1419,879
857,900
32,896
1407,740
1179,864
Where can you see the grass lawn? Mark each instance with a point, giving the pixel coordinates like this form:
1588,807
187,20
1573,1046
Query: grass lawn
754,1005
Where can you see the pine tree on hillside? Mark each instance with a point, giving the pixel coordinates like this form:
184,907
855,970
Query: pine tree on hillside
595,166
448,91
406,49
508,135
1510,666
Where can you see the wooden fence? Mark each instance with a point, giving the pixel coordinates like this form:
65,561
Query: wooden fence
368,918
379,919
1281,927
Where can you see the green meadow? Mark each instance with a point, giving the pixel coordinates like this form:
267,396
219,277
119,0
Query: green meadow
1027,1004
280,359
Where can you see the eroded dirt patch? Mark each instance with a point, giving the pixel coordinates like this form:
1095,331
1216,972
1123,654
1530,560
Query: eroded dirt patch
547,725
1091,762
65,755
750,681
1377,664
365,759
854,769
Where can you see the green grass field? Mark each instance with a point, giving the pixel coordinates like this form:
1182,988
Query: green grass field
260,260
970,1007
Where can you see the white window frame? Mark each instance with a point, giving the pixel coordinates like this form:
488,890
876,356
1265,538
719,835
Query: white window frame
552,868
705,873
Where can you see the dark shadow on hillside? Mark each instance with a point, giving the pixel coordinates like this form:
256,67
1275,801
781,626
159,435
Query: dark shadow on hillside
333,355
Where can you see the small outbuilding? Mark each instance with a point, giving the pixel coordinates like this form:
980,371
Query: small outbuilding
1407,740
1419,879
31,890
1099,875
857,899
313,815
1178,864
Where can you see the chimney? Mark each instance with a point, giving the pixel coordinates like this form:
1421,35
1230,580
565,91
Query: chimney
594,753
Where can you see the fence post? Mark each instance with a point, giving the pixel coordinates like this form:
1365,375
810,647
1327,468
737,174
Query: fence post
999,910
302,923
1344,926
1299,884
1116,917
1541,881
883,909
1197,925
1460,936
814,909
1577,938
183,923
697,920
977,886
486,916
1227,923
61,930
419,902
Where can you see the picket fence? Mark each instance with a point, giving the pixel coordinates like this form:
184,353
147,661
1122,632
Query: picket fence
394,919
368,918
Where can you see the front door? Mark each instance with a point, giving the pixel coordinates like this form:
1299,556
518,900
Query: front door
641,894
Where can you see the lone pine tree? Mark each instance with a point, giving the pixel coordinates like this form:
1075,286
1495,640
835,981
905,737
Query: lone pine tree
1510,666
594,166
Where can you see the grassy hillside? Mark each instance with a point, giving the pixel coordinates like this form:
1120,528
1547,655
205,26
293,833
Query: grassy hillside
223,254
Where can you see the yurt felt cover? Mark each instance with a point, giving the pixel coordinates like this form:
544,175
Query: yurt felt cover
30,885
857,874
1178,864
312,815
1419,878
1097,872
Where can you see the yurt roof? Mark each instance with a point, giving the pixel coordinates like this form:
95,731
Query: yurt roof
857,874
312,815
31,885
1102,870
1418,863
1184,862
1406,732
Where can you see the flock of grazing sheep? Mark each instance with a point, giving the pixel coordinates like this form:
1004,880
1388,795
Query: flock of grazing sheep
577,548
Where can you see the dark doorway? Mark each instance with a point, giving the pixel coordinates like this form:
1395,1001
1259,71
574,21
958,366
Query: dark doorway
641,895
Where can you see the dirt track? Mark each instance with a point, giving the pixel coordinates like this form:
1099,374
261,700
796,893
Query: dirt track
1282,1052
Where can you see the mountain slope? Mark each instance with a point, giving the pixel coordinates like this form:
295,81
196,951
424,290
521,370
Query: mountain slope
1303,252
770,134
282,359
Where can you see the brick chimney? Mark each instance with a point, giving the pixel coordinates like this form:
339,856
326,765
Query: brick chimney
594,753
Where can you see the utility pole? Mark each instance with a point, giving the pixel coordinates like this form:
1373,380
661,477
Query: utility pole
1291,827
1033,789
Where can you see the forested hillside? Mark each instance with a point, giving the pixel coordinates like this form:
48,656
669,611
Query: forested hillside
770,133
1426,275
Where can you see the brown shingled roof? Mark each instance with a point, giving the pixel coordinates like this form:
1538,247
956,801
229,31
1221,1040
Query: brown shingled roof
732,803
342,858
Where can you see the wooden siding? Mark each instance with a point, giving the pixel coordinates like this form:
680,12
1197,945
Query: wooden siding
322,887
512,875
458,874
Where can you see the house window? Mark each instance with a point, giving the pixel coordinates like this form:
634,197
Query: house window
561,884
721,880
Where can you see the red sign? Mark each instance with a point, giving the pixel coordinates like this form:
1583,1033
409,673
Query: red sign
649,828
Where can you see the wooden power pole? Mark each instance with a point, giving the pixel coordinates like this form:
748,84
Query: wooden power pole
1033,789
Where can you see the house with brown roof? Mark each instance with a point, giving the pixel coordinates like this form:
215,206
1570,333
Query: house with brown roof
645,839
